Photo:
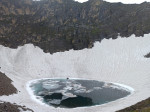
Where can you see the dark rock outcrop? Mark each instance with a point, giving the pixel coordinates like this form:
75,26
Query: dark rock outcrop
147,56
6,88
143,106
59,25
8,107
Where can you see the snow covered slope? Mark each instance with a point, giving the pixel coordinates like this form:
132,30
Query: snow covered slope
119,61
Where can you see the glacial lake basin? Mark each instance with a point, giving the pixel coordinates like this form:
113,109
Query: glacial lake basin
73,93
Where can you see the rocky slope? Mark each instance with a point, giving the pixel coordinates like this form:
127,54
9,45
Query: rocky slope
143,106
59,25
6,88
8,107
148,55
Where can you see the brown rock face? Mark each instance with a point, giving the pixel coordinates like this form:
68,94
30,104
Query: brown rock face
148,55
6,88
59,25
8,107
143,106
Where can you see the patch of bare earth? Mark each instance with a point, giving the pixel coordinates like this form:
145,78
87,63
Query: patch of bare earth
147,56
143,106
8,107
6,88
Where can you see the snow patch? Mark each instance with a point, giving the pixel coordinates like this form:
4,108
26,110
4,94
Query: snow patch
124,87
121,61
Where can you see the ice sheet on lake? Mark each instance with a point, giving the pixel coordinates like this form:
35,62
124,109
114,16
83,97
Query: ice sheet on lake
54,101
51,85
122,61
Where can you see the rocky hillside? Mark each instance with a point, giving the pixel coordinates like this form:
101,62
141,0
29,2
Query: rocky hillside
143,106
5,86
147,56
8,107
59,25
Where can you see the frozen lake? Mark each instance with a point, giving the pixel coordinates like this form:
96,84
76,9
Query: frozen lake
72,93
117,61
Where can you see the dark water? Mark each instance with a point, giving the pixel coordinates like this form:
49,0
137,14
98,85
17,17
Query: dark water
70,93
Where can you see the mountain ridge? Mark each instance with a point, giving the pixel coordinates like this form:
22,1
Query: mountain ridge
60,25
